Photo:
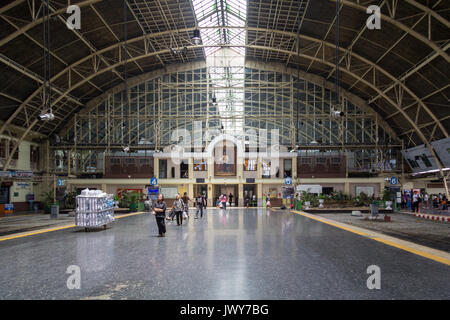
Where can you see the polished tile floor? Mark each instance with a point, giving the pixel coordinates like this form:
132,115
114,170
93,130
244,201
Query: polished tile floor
237,254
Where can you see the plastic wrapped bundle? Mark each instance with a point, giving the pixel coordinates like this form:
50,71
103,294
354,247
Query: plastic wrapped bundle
94,208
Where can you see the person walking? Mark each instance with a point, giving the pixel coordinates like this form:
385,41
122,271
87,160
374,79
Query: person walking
178,207
159,211
186,200
204,200
224,201
415,202
444,203
230,199
148,204
200,203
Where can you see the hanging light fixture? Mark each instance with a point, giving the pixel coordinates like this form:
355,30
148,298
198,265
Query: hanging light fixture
196,38
47,114
336,110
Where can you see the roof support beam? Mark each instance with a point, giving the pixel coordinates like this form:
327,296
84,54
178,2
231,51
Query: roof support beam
36,22
403,27
291,34
321,60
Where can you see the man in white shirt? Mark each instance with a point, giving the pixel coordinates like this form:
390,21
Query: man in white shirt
415,202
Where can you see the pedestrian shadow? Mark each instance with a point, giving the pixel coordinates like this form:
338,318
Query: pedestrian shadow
99,229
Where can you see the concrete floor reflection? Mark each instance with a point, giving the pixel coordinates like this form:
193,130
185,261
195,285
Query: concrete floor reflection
229,254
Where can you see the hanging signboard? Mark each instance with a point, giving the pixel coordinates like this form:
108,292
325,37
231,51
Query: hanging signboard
394,180
419,158
442,148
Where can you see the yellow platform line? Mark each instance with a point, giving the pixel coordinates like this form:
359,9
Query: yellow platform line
72,225
426,252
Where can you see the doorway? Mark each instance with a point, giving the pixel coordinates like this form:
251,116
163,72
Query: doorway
226,189
4,195
250,195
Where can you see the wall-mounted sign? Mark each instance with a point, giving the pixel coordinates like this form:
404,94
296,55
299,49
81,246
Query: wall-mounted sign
169,192
153,181
23,185
394,180
288,181
22,174
5,174
369,191
288,192
16,174
153,193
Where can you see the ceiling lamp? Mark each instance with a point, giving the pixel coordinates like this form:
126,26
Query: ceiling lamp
49,116
337,114
196,38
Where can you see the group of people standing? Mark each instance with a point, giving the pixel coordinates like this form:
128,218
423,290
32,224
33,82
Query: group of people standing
418,200
180,210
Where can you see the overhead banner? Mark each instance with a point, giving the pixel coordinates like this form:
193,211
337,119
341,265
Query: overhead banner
442,148
419,158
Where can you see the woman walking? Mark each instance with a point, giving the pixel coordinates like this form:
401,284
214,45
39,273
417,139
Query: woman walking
159,211
178,207
224,201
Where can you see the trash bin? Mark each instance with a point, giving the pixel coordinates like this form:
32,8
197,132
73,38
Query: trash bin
374,209
54,212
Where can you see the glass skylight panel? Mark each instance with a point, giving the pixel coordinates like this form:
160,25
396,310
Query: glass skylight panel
211,14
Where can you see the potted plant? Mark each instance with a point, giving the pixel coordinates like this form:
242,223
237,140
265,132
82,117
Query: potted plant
70,200
48,200
387,198
116,201
306,196
362,200
321,200
132,199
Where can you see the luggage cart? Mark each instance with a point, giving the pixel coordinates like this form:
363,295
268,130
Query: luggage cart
94,209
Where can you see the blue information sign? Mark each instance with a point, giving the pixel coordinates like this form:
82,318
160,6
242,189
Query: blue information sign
153,181
288,181
394,180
